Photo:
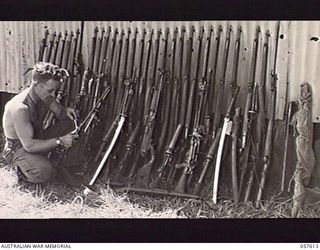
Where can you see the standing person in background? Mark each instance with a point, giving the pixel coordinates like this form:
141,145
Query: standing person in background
27,143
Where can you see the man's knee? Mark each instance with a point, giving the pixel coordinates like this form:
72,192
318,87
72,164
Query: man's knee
35,168
39,174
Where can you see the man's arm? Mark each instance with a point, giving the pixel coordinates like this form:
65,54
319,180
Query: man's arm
61,112
25,132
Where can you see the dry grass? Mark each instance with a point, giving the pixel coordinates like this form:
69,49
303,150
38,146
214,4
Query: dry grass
55,200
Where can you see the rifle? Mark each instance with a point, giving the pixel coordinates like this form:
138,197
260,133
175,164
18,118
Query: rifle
211,87
247,120
284,163
129,149
115,77
153,78
143,174
112,52
54,59
209,159
205,74
179,77
187,66
217,113
122,70
43,45
193,84
234,155
174,84
168,156
165,100
62,48
120,122
261,119
249,111
131,56
139,62
192,154
139,101
269,137
72,88
93,49
49,50
258,137
109,75
268,145
98,53
80,103
87,121
67,66
142,83
137,59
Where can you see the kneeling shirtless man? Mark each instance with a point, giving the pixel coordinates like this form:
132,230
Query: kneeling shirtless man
27,143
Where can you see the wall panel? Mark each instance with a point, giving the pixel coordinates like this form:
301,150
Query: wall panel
298,55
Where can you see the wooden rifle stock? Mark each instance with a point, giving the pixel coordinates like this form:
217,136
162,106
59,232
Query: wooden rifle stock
168,156
129,149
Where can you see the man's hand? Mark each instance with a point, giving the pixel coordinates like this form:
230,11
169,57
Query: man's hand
71,113
68,139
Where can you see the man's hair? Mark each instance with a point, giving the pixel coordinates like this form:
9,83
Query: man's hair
44,71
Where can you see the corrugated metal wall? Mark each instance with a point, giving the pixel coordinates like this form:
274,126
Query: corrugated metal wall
297,59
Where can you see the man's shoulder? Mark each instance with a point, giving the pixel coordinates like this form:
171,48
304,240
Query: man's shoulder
18,102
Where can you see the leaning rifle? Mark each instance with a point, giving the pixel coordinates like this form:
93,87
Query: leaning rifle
211,87
192,154
120,122
209,159
269,137
56,48
220,86
168,156
143,174
193,84
51,44
43,45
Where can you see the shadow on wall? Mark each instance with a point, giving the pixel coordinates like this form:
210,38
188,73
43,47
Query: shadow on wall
4,98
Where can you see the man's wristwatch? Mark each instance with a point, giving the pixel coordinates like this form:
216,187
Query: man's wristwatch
59,142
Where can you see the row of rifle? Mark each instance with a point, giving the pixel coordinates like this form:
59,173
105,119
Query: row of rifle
162,126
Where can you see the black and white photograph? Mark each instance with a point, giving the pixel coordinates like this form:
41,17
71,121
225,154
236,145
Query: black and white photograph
159,119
